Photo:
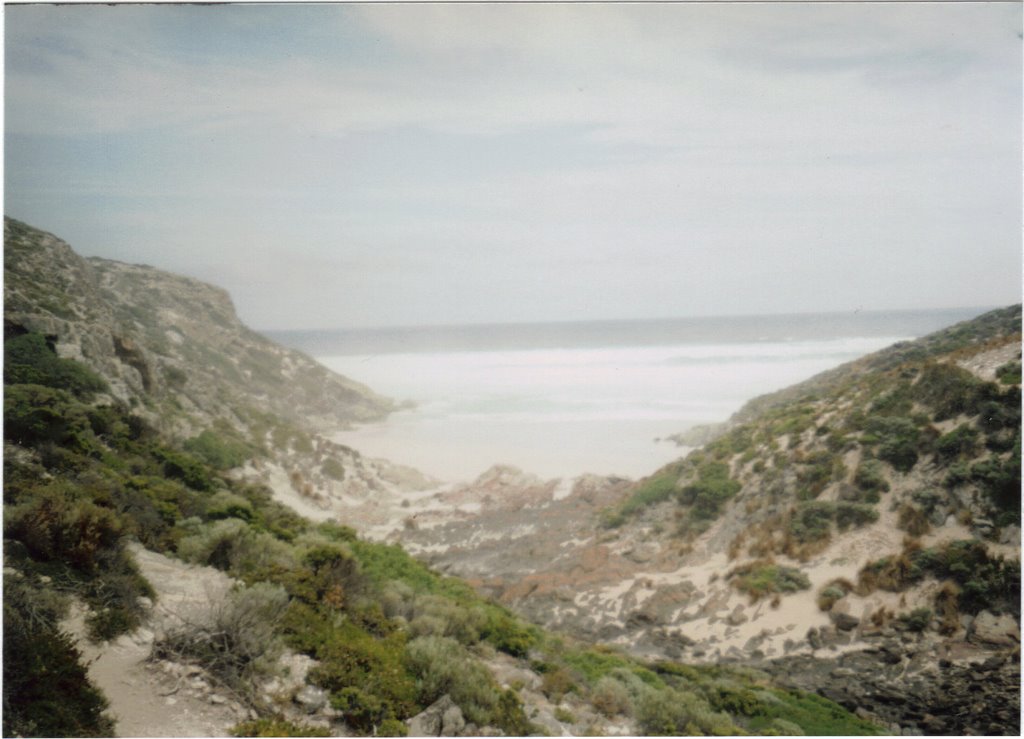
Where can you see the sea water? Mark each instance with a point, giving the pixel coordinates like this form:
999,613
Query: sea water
560,400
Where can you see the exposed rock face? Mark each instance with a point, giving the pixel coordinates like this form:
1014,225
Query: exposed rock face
914,687
169,345
441,718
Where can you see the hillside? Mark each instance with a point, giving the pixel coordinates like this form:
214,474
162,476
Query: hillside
872,510
170,346
155,584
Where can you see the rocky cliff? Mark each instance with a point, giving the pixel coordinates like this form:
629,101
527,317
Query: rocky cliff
170,346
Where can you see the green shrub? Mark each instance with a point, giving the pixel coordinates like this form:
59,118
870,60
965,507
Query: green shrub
35,415
510,717
959,443
828,596
228,505
761,577
55,527
870,478
556,683
854,514
436,616
1000,480
985,581
443,667
46,688
564,716
333,469
593,664
712,488
392,727
897,440
234,546
1009,373
611,698
673,713
367,675
949,390
508,634
817,471
812,521
657,488
29,360
186,468
221,450
917,620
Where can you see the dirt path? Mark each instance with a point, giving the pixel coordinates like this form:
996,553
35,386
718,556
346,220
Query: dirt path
160,699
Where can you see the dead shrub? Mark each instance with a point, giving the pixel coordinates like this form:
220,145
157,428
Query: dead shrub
234,641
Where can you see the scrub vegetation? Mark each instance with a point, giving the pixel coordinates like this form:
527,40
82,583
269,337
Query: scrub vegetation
823,456
389,635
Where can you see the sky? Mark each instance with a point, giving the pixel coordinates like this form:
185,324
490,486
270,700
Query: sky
360,165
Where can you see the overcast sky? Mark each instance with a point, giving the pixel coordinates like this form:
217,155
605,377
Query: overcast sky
369,165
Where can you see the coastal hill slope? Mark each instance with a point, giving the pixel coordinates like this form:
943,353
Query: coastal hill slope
169,345
858,533
203,606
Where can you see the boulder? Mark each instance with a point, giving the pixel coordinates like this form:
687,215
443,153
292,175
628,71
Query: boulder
1010,535
441,718
311,698
990,629
844,621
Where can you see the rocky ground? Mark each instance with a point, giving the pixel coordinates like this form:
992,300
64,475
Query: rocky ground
914,684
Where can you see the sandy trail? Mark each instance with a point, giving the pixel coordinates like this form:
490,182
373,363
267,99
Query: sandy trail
146,700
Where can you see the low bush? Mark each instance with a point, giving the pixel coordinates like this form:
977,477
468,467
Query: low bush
913,520
35,415
710,491
228,505
186,468
949,390
611,698
1009,373
657,488
817,471
442,667
896,439
366,675
30,360
961,442
234,546
984,581
508,634
917,620
46,687
333,469
871,479
673,713
854,514
235,641
762,577
222,449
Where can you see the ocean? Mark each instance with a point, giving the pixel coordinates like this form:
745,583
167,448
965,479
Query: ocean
564,399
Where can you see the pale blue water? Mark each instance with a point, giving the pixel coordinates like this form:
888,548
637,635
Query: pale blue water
565,399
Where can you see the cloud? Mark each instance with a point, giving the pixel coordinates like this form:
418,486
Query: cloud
389,160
